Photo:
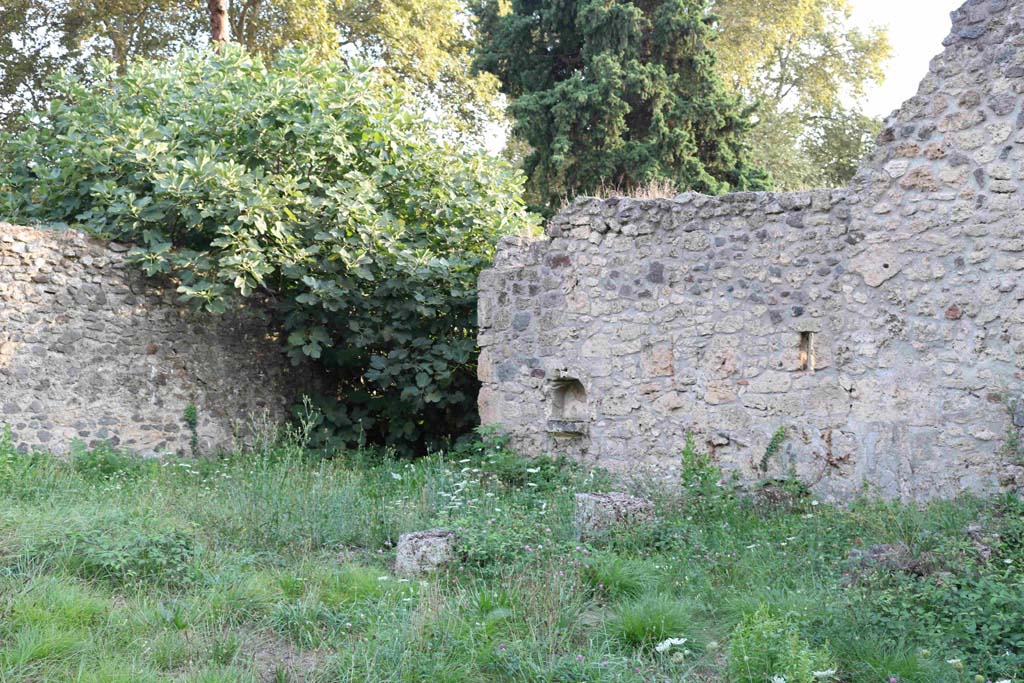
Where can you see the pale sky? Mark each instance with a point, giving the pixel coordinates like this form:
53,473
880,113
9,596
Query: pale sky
916,31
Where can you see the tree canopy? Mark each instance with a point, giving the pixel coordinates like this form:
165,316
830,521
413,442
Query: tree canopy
607,92
320,190
807,69
38,39
428,43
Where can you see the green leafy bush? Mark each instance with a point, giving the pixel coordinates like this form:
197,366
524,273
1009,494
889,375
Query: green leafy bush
162,556
975,616
104,462
312,187
492,539
698,470
765,648
490,452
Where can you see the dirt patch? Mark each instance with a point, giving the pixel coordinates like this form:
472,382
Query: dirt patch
275,659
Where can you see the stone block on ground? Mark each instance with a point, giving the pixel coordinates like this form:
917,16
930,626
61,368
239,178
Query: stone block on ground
599,513
421,552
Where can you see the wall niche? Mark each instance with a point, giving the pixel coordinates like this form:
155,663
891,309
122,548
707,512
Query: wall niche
568,415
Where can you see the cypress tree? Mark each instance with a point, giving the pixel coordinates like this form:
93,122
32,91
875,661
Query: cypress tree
616,93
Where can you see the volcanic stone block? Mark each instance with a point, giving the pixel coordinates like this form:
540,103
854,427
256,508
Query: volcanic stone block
421,552
598,514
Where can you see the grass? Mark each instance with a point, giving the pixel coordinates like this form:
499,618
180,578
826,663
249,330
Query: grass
275,565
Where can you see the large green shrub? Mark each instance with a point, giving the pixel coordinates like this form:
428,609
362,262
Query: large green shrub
305,184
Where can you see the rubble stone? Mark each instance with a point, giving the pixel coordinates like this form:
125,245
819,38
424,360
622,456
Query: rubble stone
422,552
598,514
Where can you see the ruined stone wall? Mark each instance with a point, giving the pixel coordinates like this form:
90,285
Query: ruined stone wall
92,351
881,325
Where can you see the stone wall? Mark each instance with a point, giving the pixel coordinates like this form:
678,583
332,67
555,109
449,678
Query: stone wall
90,350
882,325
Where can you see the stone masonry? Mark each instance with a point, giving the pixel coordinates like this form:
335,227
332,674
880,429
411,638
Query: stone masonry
90,350
882,325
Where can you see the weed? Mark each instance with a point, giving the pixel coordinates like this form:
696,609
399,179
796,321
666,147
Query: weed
764,647
652,619
697,470
1013,446
773,447
104,462
616,577
191,418
160,556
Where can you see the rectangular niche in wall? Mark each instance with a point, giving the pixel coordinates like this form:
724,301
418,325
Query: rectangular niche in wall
807,351
568,407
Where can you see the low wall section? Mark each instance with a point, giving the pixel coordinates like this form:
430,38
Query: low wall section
92,351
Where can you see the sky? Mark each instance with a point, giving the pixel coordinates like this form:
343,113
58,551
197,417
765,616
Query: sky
916,31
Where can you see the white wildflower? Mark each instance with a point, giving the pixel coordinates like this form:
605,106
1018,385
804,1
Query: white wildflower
666,645
827,673
396,476
778,679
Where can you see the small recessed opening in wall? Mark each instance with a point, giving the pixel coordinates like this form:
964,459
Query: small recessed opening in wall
568,408
568,399
807,351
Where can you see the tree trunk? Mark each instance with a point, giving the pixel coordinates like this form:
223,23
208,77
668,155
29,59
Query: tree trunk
218,20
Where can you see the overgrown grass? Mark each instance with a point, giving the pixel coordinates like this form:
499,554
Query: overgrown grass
274,565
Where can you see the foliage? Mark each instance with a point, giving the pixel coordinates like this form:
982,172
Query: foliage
191,418
426,43
278,560
807,69
614,577
973,611
976,614
125,557
103,462
320,191
1013,446
616,94
698,470
490,535
652,619
38,39
490,451
764,647
773,448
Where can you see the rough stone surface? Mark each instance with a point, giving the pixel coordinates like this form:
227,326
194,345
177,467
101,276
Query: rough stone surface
597,514
92,351
881,324
421,552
